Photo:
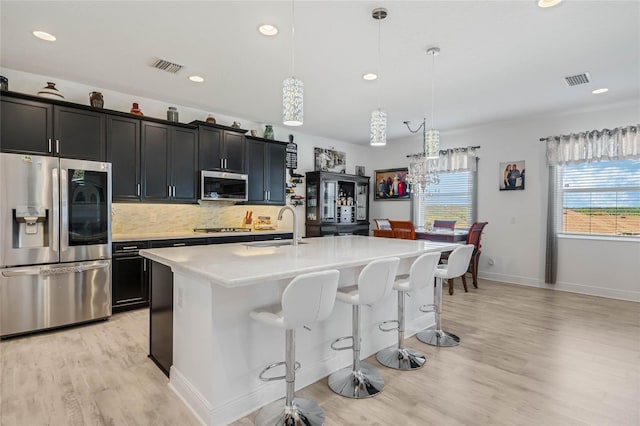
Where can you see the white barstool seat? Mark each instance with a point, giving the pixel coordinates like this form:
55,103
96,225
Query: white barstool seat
375,282
420,276
457,265
307,299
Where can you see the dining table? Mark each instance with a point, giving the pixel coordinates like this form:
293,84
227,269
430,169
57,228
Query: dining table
442,235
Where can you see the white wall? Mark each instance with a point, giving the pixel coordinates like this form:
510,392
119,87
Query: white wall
24,82
515,236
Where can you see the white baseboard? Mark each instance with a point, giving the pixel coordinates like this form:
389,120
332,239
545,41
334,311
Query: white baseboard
633,296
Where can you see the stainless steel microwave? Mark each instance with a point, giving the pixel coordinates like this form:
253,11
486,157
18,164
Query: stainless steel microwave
223,186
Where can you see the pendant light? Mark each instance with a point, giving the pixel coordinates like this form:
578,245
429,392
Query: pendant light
292,89
432,136
378,124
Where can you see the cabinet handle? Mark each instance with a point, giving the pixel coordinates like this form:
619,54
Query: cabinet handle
268,195
174,190
169,189
138,190
57,146
144,265
49,144
225,163
129,247
179,244
222,163
265,195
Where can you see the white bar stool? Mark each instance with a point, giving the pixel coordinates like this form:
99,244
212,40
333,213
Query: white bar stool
375,281
420,276
457,265
307,299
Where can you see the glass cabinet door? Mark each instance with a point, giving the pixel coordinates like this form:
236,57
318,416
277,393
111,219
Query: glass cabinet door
362,200
329,190
312,201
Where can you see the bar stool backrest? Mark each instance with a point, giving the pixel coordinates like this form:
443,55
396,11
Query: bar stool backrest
423,270
376,280
309,298
458,262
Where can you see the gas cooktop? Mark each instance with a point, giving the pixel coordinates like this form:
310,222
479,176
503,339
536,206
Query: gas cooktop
222,230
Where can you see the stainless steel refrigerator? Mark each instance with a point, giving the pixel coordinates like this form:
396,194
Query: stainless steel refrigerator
55,242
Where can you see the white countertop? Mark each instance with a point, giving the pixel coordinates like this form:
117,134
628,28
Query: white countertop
241,264
118,238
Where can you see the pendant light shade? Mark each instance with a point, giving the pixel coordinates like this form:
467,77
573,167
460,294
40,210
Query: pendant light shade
378,132
292,102
378,123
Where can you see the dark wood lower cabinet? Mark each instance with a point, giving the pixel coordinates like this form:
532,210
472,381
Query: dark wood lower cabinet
161,317
130,289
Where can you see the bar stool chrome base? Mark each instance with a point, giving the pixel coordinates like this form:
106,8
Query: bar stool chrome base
365,383
438,338
401,359
301,412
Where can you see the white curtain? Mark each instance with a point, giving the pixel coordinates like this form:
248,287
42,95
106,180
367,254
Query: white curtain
457,159
621,143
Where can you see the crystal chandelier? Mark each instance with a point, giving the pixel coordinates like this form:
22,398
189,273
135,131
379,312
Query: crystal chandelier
292,88
424,167
378,123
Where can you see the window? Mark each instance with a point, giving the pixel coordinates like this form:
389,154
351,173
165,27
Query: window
454,198
600,198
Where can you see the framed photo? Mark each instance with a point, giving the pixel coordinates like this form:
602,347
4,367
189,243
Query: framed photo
360,170
391,184
328,160
511,175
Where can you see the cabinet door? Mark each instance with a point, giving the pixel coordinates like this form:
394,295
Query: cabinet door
276,173
255,170
155,161
184,157
26,126
130,287
234,146
79,133
123,151
210,148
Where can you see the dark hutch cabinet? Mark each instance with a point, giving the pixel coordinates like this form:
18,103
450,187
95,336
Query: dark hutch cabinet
337,204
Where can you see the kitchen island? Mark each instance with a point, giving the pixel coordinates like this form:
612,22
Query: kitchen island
218,351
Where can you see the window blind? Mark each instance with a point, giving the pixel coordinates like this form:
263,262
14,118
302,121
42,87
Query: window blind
454,198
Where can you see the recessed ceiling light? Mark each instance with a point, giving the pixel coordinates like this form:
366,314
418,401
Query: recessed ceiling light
44,36
601,90
196,78
548,3
268,29
370,76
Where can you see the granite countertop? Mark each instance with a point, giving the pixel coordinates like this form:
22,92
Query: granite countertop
241,264
118,238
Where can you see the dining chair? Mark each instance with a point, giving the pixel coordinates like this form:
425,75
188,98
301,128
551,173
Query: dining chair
384,228
444,224
403,229
473,237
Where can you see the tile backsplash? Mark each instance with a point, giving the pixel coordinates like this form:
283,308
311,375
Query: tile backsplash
142,218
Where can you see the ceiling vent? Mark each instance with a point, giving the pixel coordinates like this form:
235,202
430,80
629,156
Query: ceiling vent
167,66
575,80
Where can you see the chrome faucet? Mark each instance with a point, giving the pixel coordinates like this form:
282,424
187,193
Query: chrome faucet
295,221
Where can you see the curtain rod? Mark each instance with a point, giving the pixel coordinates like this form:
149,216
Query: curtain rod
460,147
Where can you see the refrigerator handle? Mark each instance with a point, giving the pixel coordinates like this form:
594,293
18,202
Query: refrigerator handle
55,220
64,210
43,270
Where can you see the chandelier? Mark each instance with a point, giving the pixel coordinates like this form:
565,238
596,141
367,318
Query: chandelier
378,122
424,167
292,88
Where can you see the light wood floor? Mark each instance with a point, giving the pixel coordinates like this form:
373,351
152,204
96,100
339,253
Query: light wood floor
528,357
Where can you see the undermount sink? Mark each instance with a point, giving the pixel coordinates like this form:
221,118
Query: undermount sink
272,243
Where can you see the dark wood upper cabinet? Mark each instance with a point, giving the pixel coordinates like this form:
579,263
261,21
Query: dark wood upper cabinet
79,133
220,147
123,152
169,163
265,165
26,126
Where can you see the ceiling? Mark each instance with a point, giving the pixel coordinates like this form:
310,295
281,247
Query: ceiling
499,59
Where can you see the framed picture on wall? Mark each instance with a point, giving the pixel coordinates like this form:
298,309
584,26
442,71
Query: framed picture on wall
328,160
511,175
391,184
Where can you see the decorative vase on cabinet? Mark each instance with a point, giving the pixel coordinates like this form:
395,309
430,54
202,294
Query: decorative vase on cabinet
96,100
268,132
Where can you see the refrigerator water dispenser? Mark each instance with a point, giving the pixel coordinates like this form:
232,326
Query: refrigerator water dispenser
30,227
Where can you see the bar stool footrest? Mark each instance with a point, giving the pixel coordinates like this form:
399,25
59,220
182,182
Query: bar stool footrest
383,323
428,308
277,364
342,348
